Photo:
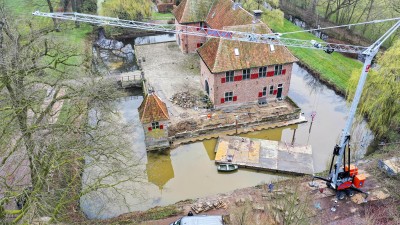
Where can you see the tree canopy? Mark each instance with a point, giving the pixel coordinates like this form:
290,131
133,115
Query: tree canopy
127,9
380,100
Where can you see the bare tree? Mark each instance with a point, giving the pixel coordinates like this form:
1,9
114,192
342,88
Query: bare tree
47,89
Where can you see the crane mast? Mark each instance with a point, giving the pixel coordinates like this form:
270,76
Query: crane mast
339,179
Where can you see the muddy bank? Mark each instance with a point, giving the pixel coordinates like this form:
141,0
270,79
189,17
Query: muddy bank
260,203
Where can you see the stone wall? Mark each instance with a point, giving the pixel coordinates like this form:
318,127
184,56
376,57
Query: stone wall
208,131
188,43
246,91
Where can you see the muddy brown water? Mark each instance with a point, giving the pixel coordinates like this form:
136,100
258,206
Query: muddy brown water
189,171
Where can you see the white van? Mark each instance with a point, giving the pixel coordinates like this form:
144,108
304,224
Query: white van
199,220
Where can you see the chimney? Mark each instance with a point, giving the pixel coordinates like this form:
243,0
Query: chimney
257,15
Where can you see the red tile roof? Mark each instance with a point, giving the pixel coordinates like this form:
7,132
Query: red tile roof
190,11
219,54
152,109
222,14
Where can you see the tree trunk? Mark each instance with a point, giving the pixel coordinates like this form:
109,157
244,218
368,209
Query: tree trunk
51,9
368,15
76,8
327,9
314,6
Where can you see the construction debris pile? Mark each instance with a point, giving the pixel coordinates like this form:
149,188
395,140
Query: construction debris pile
182,126
185,99
205,206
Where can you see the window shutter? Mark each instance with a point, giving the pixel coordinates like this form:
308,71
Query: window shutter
254,76
284,72
222,100
238,78
223,79
234,98
270,74
275,92
149,128
260,94
161,126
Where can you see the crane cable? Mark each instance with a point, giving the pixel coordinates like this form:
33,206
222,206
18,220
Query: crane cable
345,25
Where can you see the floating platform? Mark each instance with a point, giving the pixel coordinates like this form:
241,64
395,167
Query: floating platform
266,155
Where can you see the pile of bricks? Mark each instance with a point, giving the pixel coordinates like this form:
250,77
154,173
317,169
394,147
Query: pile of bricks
206,206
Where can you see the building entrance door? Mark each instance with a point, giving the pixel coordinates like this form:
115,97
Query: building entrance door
280,89
207,88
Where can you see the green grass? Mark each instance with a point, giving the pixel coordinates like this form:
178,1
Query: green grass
333,68
161,16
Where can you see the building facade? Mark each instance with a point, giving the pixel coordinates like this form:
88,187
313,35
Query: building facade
250,85
234,72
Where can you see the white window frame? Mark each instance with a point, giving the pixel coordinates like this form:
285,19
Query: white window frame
155,125
262,71
278,70
246,74
228,96
229,76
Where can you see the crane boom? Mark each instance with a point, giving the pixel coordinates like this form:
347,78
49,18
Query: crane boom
272,38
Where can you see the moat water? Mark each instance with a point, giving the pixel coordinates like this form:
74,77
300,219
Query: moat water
189,171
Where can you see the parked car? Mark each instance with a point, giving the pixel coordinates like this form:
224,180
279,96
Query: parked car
200,220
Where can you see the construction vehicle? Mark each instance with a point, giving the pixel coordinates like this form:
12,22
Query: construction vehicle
343,177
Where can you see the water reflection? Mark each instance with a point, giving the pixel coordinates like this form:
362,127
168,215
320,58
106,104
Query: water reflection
159,169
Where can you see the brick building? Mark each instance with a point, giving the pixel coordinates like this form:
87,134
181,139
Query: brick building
234,72
153,114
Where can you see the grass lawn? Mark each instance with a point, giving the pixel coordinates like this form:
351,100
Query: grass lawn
333,68
161,16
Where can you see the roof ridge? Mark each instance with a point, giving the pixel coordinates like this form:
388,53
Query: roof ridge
144,107
158,100
209,11
218,53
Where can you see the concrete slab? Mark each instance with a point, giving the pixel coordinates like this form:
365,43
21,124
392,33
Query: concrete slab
264,155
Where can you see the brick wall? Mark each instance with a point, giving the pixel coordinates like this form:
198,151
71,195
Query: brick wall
206,75
246,91
188,43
